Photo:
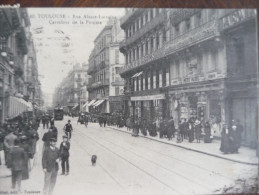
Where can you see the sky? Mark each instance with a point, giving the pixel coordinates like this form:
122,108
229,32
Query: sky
64,37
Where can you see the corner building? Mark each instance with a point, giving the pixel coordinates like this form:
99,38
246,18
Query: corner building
146,72
199,63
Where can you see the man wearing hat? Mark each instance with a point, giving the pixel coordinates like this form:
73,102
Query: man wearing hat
8,144
64,154
17,158
50,166
68,129
46,138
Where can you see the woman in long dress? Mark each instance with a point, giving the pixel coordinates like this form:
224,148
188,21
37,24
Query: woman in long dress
190,131
207,131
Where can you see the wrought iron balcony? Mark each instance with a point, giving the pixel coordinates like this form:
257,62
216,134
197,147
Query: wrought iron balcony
97,84
157,54
203,32
153,23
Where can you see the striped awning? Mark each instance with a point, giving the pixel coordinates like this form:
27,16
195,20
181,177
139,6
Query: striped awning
90,103
99,103
85,104
75,106
17,106
95,103
137,74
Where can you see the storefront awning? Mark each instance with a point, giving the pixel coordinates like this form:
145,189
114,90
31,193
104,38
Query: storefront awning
85,104
96,102
137,74
99,103
90,103
75,106
17,106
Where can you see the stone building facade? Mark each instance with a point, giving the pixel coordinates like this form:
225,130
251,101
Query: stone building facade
15,43
105,84
199,63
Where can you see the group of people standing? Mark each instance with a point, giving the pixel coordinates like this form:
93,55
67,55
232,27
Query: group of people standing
231,137
18,140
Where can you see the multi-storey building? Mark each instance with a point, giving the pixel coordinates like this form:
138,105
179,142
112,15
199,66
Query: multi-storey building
14,45
199,63
146,72
105,84
72,92
32,91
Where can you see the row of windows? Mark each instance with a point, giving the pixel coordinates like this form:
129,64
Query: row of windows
150,45
99,76
153,80
142,21
103,42
193,22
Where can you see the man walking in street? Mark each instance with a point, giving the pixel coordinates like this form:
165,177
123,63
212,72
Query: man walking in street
50,166
64,154
17,158
46,138
68,129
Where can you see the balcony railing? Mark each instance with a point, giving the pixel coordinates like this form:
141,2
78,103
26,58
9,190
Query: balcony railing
98,83
160,53
201,33
142,31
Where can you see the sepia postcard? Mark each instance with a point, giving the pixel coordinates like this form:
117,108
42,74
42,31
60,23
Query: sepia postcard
134,101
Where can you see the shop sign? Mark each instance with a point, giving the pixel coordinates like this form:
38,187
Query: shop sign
174,82
149,97
191,79
237,17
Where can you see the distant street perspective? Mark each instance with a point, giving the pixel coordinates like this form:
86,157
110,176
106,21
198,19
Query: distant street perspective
128,101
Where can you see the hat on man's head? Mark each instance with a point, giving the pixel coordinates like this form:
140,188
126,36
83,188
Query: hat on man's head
64,136
69,121
53,139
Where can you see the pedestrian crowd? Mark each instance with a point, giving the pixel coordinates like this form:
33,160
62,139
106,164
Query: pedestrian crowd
18,138
192,130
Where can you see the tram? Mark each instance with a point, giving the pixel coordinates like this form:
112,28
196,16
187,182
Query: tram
58,113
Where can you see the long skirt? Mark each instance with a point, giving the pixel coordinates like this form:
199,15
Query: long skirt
191,135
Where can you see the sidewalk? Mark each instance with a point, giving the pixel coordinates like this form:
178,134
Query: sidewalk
245,155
